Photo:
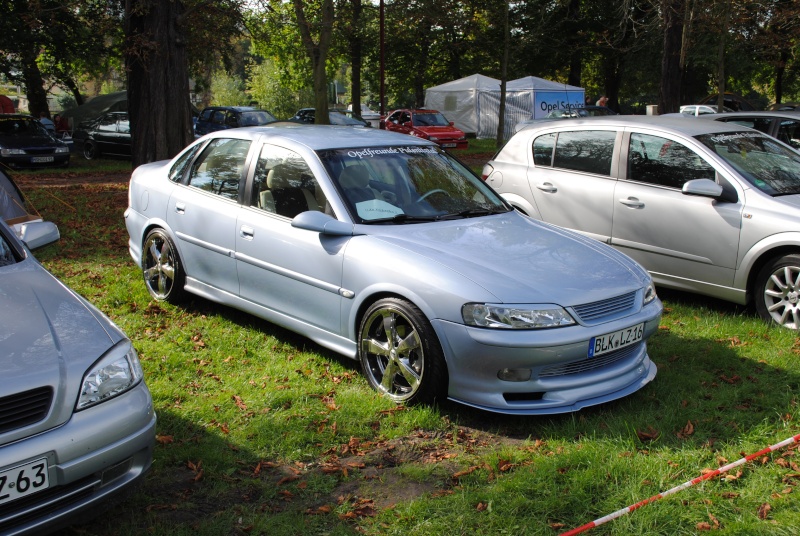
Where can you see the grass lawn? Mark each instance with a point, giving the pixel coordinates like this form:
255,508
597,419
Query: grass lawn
262,432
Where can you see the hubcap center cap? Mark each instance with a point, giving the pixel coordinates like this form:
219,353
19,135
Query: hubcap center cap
792,297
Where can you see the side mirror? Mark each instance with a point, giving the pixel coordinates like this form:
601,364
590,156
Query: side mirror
452,124
704,188
38,234
313,220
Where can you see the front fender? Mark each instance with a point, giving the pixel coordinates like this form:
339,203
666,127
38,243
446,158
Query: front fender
522,204
779,243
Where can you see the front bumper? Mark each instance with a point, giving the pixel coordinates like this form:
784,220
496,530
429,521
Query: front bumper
19,161
98,453
562,376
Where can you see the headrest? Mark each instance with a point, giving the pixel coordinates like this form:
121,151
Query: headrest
282,176
354,177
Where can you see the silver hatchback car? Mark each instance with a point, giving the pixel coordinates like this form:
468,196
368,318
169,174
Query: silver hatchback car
706,207
77,424
382,247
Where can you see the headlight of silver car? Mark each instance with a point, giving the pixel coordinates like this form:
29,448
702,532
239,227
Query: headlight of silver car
486,315
112,375
649,293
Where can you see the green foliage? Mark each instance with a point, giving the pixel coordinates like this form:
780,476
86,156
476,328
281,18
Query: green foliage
266,86
227,90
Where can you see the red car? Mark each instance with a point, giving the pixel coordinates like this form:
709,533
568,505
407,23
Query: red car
427,124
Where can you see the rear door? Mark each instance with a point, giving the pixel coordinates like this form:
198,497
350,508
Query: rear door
572,182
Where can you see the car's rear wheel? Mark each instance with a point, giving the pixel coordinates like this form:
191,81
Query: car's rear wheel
777,291
90,151
400,353
161,267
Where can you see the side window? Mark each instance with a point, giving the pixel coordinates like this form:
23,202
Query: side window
220,168
543,150
124,125
789,132
179,167
585,150
108,124
206,115
283,184
656,160
231,119
218,117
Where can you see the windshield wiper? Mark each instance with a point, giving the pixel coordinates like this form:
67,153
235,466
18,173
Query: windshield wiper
473,213
403,218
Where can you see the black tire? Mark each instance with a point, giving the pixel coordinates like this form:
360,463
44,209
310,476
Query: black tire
90,151
777,291
162,268
400,354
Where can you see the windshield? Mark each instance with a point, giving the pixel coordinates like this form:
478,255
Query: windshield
260,117
407,184
430,120
21,125
761,160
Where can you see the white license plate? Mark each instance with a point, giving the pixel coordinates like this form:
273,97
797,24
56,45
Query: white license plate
39,159
448,145
23,480
614,341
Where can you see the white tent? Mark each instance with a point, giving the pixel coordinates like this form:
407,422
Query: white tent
458,100
473,103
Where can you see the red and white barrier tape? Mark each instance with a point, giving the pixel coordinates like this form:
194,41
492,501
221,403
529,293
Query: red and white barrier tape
690,483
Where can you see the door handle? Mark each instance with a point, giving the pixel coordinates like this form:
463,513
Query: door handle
247,232
632,202
180,208
547,187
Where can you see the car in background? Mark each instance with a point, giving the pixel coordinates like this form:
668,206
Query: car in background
428,125
77,425
109,134
701,109
783,125
706,207
570,113
783,106
384,248
215,118
335,117
26,143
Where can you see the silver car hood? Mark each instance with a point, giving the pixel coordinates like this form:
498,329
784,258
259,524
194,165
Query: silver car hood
49,336
521,260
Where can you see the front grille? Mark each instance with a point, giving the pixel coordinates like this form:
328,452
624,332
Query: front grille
23,409
39,150
588,364
597,311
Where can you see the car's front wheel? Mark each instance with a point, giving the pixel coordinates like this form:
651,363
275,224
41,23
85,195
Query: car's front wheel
90,151
777,291
400,353
161,267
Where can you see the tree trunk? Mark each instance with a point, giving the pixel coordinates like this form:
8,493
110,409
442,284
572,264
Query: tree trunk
780,70
355,58
318,54
158,80
575,44
501,121
34,85
721,59
670,89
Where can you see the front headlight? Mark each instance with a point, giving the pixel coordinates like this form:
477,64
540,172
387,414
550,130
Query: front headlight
485,315
649,293
433,138
9,152
62,150
112,375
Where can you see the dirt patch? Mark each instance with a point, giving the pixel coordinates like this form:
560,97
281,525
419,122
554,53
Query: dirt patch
67,178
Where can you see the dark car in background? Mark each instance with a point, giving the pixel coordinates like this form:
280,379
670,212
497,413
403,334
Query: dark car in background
109,134
428,125
25,143
783,125
215,118
335,117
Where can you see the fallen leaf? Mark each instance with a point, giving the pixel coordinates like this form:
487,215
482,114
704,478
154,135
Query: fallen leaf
763,511
647,435
165,439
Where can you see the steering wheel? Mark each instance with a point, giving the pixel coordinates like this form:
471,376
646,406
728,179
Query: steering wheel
431,192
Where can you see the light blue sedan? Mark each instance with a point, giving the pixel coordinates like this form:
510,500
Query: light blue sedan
386,249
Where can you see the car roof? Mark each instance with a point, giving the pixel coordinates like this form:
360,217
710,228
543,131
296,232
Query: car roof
319,137
677,124
795,114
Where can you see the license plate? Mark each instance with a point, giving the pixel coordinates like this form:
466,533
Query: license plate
614,341
23,480
39,159
448,145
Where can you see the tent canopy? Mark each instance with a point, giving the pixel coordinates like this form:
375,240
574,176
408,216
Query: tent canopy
473,102
97,106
